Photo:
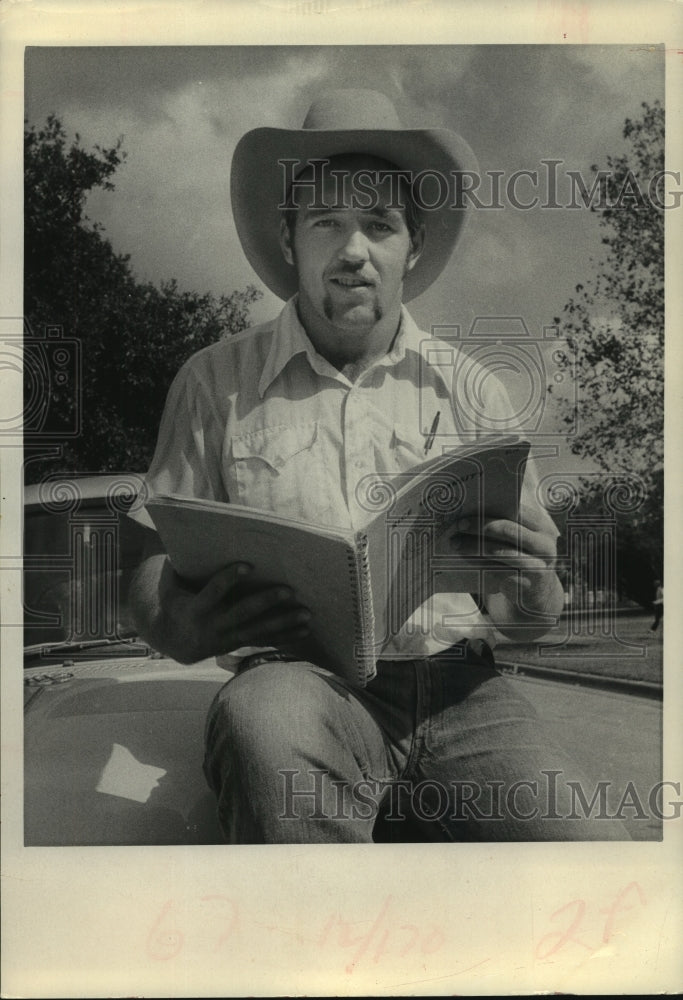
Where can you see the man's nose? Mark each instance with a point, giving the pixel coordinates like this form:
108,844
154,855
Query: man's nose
355,247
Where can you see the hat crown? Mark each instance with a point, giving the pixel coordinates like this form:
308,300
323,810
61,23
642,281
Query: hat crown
341,110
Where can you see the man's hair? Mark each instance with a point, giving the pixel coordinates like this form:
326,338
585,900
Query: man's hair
407,202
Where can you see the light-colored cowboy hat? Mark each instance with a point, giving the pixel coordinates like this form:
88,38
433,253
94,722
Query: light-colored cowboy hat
343,121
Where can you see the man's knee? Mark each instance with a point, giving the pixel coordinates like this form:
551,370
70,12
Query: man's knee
270,692
262,711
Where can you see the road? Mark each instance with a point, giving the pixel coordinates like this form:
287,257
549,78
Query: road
615,737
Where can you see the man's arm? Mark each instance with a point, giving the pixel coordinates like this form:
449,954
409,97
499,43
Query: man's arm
193,625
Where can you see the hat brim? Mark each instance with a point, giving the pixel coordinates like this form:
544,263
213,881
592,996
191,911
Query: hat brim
257,180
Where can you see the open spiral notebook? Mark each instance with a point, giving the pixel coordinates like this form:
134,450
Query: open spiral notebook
358,585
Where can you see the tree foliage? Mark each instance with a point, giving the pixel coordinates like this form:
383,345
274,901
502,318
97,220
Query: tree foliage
133,336
614,326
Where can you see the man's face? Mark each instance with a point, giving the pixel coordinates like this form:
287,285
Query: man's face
351,261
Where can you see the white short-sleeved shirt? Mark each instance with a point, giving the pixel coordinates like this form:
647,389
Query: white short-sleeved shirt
261,419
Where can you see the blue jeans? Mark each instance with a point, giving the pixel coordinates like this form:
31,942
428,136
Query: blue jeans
296,755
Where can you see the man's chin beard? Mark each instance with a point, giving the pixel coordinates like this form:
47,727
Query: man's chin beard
328,310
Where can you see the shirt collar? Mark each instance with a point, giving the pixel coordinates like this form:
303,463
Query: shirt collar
423,349
290,339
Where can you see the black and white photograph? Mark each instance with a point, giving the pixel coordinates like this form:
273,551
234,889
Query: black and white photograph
341,471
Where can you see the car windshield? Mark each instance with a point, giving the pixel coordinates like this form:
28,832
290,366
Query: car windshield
78,561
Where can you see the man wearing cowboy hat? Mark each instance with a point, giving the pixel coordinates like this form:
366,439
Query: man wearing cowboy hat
288,417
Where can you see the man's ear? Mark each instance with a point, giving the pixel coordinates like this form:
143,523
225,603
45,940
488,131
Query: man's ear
286,242
417,241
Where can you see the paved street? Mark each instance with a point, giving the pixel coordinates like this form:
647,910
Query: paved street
615,737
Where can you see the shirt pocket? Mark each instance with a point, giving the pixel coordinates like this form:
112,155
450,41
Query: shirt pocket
280,469
407,448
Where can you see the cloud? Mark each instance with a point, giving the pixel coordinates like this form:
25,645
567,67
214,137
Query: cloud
138,79
615,67
182,110
171,208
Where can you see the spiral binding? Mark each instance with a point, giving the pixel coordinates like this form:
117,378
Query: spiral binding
364,644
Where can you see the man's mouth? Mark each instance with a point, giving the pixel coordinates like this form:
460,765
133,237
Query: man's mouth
350,281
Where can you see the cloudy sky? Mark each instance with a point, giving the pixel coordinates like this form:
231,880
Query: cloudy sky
181,111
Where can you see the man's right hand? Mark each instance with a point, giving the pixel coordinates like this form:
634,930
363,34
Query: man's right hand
194,625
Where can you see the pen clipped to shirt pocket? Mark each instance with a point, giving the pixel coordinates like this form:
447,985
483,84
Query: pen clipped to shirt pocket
407,447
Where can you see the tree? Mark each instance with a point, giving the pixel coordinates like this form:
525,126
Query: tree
133,336
614,327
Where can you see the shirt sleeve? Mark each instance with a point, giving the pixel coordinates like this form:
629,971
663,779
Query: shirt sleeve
188,456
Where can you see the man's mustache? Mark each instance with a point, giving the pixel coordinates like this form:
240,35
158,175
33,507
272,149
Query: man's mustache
351,271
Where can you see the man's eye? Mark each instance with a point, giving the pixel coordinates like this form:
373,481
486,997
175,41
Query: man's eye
324,223
381,227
